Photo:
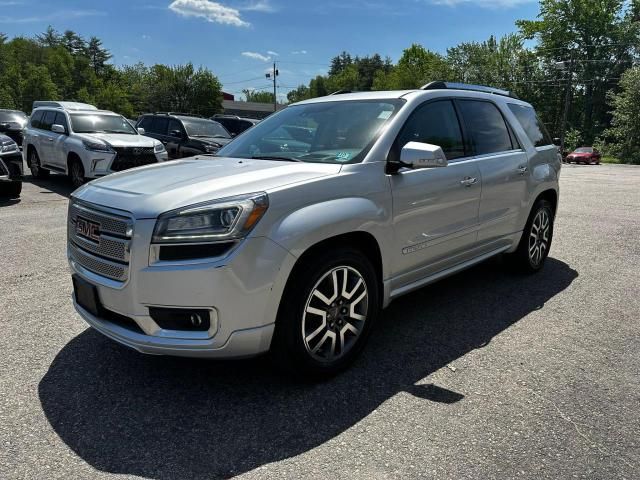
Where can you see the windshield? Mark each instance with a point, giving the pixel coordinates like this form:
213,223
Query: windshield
18,117
204,128
584,150
98,123
329,132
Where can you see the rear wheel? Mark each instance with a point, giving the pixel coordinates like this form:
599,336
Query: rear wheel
535,243
34,165
327,312
76,173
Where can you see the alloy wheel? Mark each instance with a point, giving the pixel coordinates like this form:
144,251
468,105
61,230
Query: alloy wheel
335,313
539,237
34,164
77,174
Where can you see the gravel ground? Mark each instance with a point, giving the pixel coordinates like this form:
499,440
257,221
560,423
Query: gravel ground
487,374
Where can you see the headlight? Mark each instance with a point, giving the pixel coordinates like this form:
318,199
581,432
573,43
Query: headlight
96,146
225,219
8,146
159,148
211,148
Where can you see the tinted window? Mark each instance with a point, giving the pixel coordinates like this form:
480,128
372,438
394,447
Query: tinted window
204,128
61,120
435,123
159,125
486,126
36,119
145,122
47,120
175,125
533,127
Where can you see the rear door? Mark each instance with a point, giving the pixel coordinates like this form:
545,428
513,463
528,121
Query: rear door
46,139
503,167
435,210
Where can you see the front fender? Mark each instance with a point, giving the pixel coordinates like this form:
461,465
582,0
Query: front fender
307,226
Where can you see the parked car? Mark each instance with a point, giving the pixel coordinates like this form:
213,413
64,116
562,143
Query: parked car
584,155
83,142
234,124
265,248
10,168
12,122
184,135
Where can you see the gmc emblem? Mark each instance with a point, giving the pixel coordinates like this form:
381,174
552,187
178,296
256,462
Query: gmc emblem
88,229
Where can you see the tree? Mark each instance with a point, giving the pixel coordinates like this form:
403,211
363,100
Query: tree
258,96
624,133
98,55
50,38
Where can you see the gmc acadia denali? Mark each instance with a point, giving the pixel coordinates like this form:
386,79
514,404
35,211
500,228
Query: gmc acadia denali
295,247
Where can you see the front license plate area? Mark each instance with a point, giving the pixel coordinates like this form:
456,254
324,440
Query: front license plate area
86,295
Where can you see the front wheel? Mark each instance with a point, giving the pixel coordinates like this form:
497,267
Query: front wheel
11,190
327,312
535,243
76,173
34,165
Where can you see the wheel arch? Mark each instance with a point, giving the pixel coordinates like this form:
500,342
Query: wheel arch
72,156
550,195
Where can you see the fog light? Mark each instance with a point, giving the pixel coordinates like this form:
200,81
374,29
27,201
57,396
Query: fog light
181,319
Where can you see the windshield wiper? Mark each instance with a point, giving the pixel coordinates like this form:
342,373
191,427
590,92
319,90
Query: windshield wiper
272,157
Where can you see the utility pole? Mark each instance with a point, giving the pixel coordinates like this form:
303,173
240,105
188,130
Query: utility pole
567,104
273,76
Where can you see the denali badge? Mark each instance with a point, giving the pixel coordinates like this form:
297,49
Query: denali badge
88,229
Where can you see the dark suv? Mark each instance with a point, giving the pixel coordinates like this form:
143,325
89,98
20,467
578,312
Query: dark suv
12,122
10,168
184,135
235,125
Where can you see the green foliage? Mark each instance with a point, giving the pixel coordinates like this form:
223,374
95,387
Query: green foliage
622,139
54,66
258,96
573,140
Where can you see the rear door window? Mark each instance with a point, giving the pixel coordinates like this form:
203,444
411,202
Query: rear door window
531,124
486,126
36,118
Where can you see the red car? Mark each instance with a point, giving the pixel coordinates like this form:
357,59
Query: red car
584,155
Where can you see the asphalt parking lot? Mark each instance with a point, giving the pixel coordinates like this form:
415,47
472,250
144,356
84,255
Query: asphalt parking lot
488,374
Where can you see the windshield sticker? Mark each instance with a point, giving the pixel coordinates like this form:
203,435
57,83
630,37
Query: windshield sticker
343,156
385,114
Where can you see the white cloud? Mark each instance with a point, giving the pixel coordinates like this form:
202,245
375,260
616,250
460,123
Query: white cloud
256,56
258,6
211,11
146,37
299,52
482,3
272,53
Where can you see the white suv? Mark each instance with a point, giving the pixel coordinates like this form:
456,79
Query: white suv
83,142
305,226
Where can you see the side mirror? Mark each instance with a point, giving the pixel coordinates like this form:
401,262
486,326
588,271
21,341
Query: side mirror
422,155
57,128
4,127
176,133
141,130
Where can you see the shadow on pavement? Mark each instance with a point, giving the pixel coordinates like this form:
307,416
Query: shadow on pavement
56,183
162,417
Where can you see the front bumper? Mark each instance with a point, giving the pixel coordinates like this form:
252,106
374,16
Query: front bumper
11,167
104,163
243,289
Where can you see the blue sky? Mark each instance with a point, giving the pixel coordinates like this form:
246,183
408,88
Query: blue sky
239,39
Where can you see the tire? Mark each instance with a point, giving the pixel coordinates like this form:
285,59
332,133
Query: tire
320,330
538,232
34,165
11,190
76,173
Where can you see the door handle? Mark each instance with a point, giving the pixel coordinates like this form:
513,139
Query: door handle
468,181
522,169
49,139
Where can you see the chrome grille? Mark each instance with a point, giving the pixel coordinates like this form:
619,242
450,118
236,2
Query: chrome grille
108,255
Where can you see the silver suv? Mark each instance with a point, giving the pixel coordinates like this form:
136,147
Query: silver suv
83,142
303,228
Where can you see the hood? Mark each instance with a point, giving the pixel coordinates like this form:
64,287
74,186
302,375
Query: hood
151,190
121,139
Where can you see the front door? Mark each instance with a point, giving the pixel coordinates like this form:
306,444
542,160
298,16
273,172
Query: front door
435,210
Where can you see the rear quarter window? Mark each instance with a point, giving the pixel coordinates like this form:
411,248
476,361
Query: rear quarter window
531,124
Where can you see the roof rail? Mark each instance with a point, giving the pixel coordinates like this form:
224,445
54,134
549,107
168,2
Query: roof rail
64,105
182,114
339,92
224,115
438,85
